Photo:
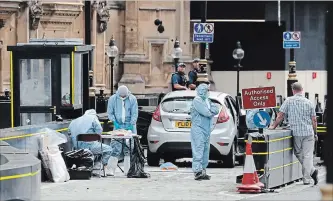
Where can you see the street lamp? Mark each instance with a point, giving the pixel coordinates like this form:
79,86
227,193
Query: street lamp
177,53
112,52
238,55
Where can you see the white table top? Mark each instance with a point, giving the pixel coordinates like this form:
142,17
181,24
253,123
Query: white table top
106,136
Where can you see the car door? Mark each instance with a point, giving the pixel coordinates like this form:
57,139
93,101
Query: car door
233,113
234,110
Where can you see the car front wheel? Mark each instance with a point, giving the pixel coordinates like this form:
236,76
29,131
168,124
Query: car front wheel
230,159
153,159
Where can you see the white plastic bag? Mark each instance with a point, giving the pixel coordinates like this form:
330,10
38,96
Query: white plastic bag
57,165
51,137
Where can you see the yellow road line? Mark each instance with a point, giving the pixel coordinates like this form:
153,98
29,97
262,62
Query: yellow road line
17,176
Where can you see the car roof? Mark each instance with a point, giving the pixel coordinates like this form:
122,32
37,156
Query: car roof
193,93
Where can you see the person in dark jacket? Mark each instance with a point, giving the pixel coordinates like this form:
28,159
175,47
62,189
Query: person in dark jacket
192,75
178,79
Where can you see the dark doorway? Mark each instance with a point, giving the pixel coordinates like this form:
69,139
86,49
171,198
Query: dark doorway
229,9
262,43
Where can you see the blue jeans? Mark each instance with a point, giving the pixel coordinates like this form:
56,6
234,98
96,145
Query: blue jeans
117,147
200,144
95,148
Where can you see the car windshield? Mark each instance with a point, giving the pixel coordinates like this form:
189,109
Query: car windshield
180,104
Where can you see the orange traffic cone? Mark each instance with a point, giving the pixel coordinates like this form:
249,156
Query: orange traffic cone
250,181
261,185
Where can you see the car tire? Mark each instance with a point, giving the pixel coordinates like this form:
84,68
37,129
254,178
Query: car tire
170,159
230,159
153,159
241,151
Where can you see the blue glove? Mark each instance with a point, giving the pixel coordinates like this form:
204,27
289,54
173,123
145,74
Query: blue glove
130,127
116,125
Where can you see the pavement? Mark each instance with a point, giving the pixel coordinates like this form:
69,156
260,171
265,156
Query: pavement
174,185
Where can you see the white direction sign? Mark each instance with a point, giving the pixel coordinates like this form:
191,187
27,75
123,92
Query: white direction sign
203,33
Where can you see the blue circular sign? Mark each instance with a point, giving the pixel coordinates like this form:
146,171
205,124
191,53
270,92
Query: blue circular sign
261,119
287,36
198,28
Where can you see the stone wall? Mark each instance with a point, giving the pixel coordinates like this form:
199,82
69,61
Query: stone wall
147,59
144,62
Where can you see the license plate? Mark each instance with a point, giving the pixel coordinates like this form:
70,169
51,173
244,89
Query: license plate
183,124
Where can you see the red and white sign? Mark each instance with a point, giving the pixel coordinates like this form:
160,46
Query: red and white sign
254,98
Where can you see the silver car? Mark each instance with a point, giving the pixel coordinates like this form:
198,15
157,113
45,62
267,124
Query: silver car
169,131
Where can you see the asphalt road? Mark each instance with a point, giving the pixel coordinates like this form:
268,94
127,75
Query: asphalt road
175,185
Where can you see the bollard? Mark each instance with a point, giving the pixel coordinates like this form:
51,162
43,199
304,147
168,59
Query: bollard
318,104
279,100
100,102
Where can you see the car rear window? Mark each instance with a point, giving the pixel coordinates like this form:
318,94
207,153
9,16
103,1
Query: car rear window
181,104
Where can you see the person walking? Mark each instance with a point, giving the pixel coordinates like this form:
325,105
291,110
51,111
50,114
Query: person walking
301,116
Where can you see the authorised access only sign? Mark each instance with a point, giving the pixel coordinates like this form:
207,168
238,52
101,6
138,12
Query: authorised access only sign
256,98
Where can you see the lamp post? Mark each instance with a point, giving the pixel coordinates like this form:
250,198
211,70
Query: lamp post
177,53
238,55
112,52
292,76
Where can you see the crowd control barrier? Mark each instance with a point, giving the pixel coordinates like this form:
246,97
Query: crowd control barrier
26,138
275,161
20,174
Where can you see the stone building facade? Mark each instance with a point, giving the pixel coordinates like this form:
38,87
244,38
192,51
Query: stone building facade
145,58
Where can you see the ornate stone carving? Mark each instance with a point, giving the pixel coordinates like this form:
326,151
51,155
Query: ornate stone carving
60,13
36,12
7,8
103,14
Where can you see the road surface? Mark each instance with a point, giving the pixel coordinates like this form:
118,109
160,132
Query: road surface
176,185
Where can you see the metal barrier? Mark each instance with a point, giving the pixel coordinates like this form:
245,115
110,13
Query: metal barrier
274,159
20,174
26,138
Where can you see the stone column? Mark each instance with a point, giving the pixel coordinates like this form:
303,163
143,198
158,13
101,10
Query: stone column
131,28
8,30
93,31
23,26
98,39
131,77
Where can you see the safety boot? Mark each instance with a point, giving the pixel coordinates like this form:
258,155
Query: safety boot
199,176
111,166
205,175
